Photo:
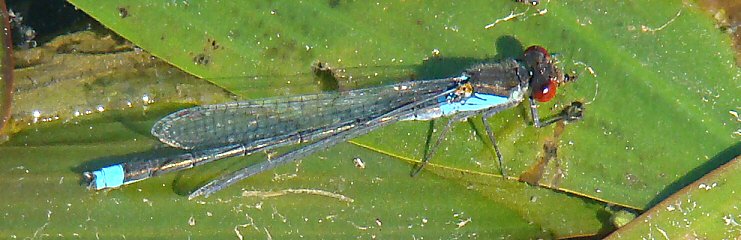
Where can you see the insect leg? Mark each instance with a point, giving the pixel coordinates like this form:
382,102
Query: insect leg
490,134
433,148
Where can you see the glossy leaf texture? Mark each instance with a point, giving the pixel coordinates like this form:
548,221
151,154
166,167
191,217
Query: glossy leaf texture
709,205
658,93
6,77
324,195
658,78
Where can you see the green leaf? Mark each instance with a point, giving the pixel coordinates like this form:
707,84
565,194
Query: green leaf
708,208
658,93
40,171
6,77
656,119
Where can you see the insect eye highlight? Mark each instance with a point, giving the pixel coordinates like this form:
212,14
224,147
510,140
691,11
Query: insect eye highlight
546,92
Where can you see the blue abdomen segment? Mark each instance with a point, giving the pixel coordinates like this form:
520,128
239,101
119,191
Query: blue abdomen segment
478,101
109,177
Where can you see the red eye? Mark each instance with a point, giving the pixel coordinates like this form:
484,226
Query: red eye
536,48
545,93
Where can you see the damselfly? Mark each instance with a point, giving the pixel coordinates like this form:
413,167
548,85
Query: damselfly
220,131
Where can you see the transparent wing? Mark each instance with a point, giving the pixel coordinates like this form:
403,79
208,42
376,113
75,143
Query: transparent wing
320,114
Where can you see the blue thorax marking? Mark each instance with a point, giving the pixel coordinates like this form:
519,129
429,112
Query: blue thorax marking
477,101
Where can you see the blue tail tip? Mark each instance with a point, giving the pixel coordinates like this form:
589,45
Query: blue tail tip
107,177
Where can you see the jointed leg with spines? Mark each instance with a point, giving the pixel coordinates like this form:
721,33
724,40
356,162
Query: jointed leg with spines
493,140
572,112
433,148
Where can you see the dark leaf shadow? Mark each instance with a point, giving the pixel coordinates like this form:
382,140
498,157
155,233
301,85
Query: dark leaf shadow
718,160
